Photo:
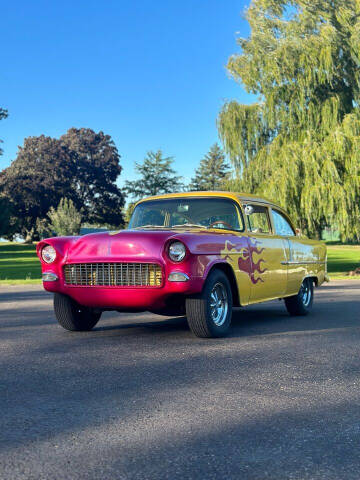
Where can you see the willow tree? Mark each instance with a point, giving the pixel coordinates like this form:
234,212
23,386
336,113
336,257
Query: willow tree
300,144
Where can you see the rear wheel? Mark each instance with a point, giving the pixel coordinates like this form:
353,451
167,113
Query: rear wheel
209,314
301,303
72,316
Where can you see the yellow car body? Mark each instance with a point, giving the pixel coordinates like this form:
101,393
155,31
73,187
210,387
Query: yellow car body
280,262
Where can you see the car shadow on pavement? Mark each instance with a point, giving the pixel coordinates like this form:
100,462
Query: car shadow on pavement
261,319
267,319
165,325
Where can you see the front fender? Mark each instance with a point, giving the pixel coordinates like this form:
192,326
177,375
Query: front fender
61,245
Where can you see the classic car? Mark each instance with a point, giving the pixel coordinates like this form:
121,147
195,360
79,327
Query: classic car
196,254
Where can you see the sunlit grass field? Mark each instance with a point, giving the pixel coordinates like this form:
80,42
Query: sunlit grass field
342,259
19,263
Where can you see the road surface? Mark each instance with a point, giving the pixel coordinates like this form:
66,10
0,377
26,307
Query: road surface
140,397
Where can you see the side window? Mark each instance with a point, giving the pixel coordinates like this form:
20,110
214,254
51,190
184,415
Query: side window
282,226
257,219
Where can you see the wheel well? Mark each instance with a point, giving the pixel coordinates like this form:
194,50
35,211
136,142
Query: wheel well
314,279
229,272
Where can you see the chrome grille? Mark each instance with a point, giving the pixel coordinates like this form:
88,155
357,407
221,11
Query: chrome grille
113,274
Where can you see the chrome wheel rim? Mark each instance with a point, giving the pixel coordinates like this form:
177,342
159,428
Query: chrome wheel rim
219,304
306,293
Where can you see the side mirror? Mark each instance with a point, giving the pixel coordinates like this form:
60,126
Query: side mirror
298,232
249,209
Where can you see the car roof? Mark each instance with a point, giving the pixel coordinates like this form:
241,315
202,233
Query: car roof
242,197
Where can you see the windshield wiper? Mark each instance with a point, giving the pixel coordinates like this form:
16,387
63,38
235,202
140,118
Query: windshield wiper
189,225
149,226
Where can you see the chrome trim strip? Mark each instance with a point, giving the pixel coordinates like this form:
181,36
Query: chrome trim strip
311,262
113,274
185,278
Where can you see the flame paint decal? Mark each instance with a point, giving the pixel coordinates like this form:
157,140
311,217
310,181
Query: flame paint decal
256,266
246,254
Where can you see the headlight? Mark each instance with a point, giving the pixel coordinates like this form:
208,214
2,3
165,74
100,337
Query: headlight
48,254
177,251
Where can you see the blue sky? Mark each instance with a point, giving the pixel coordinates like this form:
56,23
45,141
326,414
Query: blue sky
149,73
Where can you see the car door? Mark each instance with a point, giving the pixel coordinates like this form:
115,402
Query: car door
235,250
268,253
303,254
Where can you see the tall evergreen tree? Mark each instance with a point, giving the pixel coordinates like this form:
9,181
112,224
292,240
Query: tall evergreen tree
212,172
300,144
156,176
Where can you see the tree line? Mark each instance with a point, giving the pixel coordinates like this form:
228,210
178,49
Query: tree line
56,185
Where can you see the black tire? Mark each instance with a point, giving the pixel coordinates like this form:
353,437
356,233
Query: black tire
199,309
301,303
73,316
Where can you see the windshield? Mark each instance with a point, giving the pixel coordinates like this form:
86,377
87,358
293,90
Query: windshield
187,212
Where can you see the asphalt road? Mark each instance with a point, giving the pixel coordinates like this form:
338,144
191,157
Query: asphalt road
140,397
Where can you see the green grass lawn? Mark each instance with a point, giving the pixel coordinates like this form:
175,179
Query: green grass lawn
19,263
342,259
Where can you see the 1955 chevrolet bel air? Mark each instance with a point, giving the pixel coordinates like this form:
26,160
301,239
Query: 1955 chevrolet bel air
194,254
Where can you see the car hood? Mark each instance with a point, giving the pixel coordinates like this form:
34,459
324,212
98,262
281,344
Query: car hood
125,244
131,245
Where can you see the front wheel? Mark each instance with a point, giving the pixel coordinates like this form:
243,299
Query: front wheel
72,316
209,314
301,303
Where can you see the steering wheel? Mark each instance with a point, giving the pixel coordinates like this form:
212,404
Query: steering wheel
222,223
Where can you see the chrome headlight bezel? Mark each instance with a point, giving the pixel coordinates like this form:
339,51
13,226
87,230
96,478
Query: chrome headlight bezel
176,251
48,254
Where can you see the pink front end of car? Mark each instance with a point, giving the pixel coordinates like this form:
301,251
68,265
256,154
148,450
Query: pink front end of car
126,247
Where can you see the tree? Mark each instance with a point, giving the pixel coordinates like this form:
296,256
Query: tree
82,166
300,144
3,114
212,172
97,170
7,225
40,176
4,216
156,176
128,212
66,219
